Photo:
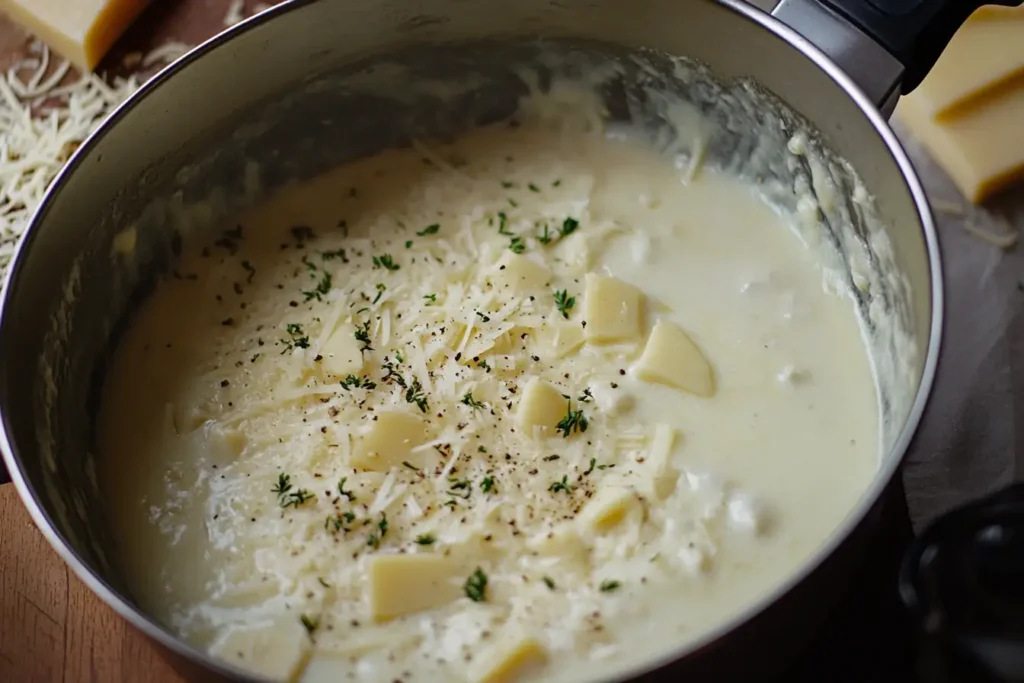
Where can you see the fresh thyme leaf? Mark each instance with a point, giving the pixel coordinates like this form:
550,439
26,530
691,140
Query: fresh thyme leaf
569,226
373,540
549,582
398,356
380,291
311,623
574,421
517,245
348,494
336,254
483,365
593,463
483,318
322,582
459,484
487,485
385,261
476,586
429,230
251,272
298,339
546,236
310,266
383,525
408,244
296,498
414,394
564,302
354,382
585,397
513,203
408,464
556,183
562,485
362,336
431,298
609,585
322,288
503,224
349,516
426,539
468,400
392,376
533,188
507,184
334,523
283,485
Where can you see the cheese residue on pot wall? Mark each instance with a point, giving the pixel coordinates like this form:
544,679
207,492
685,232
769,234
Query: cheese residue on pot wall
534,405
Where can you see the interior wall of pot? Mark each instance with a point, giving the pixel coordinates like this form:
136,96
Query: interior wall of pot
265,110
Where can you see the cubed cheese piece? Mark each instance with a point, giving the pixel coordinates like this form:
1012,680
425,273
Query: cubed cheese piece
509,661
80,30
608,507
614,310
565,337
672,358
972,146
341,352
390,439
982,56
275,651
520,274
658,463
405,584
540,406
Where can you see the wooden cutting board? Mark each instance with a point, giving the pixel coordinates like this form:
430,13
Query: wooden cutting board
52,628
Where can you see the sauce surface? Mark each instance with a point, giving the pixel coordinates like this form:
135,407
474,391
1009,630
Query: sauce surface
534,404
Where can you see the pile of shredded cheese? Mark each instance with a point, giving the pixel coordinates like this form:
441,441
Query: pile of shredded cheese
47,111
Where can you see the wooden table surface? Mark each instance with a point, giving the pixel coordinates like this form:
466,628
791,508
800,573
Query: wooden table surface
52,628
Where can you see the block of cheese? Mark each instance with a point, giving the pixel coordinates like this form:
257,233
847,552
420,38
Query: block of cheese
981,148
80,30
983,55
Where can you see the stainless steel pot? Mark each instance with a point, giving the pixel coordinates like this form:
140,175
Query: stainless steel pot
193,128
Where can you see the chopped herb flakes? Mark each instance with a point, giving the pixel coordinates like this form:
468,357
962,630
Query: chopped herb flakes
574,421
549,582
487,485
562,485
426,539
348,494
431,298
298,339
517,245
322,288
468,400
380,291
503,224
429,230
354,382
362,336
414,394
569,226
336,254
609,585
564,302
385,261
476,586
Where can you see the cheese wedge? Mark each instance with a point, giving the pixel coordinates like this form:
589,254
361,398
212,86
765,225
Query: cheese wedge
984,55
980,149
80,30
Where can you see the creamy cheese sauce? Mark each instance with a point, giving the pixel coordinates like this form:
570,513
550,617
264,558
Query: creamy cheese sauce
335,445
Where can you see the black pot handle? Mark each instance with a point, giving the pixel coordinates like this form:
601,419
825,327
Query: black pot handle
914,31
963,582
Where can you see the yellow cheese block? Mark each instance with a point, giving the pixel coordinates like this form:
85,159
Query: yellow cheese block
981,149
80,30
983,55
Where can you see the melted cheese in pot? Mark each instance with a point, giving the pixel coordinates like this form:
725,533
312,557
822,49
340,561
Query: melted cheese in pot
534,406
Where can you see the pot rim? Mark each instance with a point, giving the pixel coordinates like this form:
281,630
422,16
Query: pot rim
888,466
